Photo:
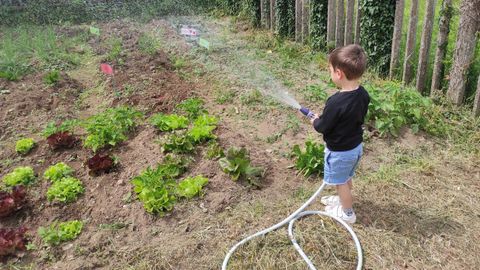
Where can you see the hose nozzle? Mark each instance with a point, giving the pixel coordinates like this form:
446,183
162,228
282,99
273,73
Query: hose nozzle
307,112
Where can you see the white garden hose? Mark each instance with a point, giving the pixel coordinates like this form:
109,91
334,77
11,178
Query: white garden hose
291,220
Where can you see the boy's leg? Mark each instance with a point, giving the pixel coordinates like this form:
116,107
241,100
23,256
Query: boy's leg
345,194
350,184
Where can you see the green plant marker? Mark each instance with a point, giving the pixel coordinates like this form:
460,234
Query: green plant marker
204,43
94,31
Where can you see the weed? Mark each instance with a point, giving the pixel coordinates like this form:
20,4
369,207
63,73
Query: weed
179,63
311,161
393,109
113,226
115,46
237,164
252,98
191,186
315,93
57,172
385,173
23,49
24,146
148,44
192,107
52,77
293,124
224,96
19,176
57,233
168,122
65,190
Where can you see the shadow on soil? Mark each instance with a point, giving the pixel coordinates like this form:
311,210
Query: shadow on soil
406,220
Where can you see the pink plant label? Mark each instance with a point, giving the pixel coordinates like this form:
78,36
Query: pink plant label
188,31
106,69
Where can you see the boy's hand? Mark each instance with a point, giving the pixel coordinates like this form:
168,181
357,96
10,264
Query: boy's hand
315,116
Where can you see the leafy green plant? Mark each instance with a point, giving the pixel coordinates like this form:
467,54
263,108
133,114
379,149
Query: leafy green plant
148,44
57,172
192,107
65,190
110,127
214,151
391,110
315,93
318,24
52,77
203,128
178,143
19,176
67,125
168,122
202,133
206,120
311,161
377,15
191,186
237,164
24,146
155,188
57,233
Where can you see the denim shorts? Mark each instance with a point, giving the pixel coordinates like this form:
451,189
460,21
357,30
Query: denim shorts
339,166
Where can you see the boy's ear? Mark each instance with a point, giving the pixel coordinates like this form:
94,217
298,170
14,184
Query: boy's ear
340,73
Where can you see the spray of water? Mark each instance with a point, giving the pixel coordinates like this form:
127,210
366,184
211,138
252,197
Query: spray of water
279,93
238,65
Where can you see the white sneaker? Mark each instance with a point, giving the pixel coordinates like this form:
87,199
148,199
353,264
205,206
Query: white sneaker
330,200
337,211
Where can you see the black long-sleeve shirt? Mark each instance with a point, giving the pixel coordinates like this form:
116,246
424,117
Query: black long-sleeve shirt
342,119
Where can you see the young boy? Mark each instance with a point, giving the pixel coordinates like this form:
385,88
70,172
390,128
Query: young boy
341,126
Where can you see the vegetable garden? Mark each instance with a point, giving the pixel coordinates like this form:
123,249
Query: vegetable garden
125,144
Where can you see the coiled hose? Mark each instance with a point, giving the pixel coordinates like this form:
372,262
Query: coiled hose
299,213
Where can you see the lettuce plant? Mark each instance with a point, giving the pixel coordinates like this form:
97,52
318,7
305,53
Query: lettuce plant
65,190
191,186
19,176
168,122
24,146
12,240
237,164
12,201
57,233
57,172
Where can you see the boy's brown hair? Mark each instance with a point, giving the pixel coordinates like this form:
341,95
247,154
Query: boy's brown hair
350,59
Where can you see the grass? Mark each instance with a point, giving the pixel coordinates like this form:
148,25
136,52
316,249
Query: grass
148,44
115,47
24,49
